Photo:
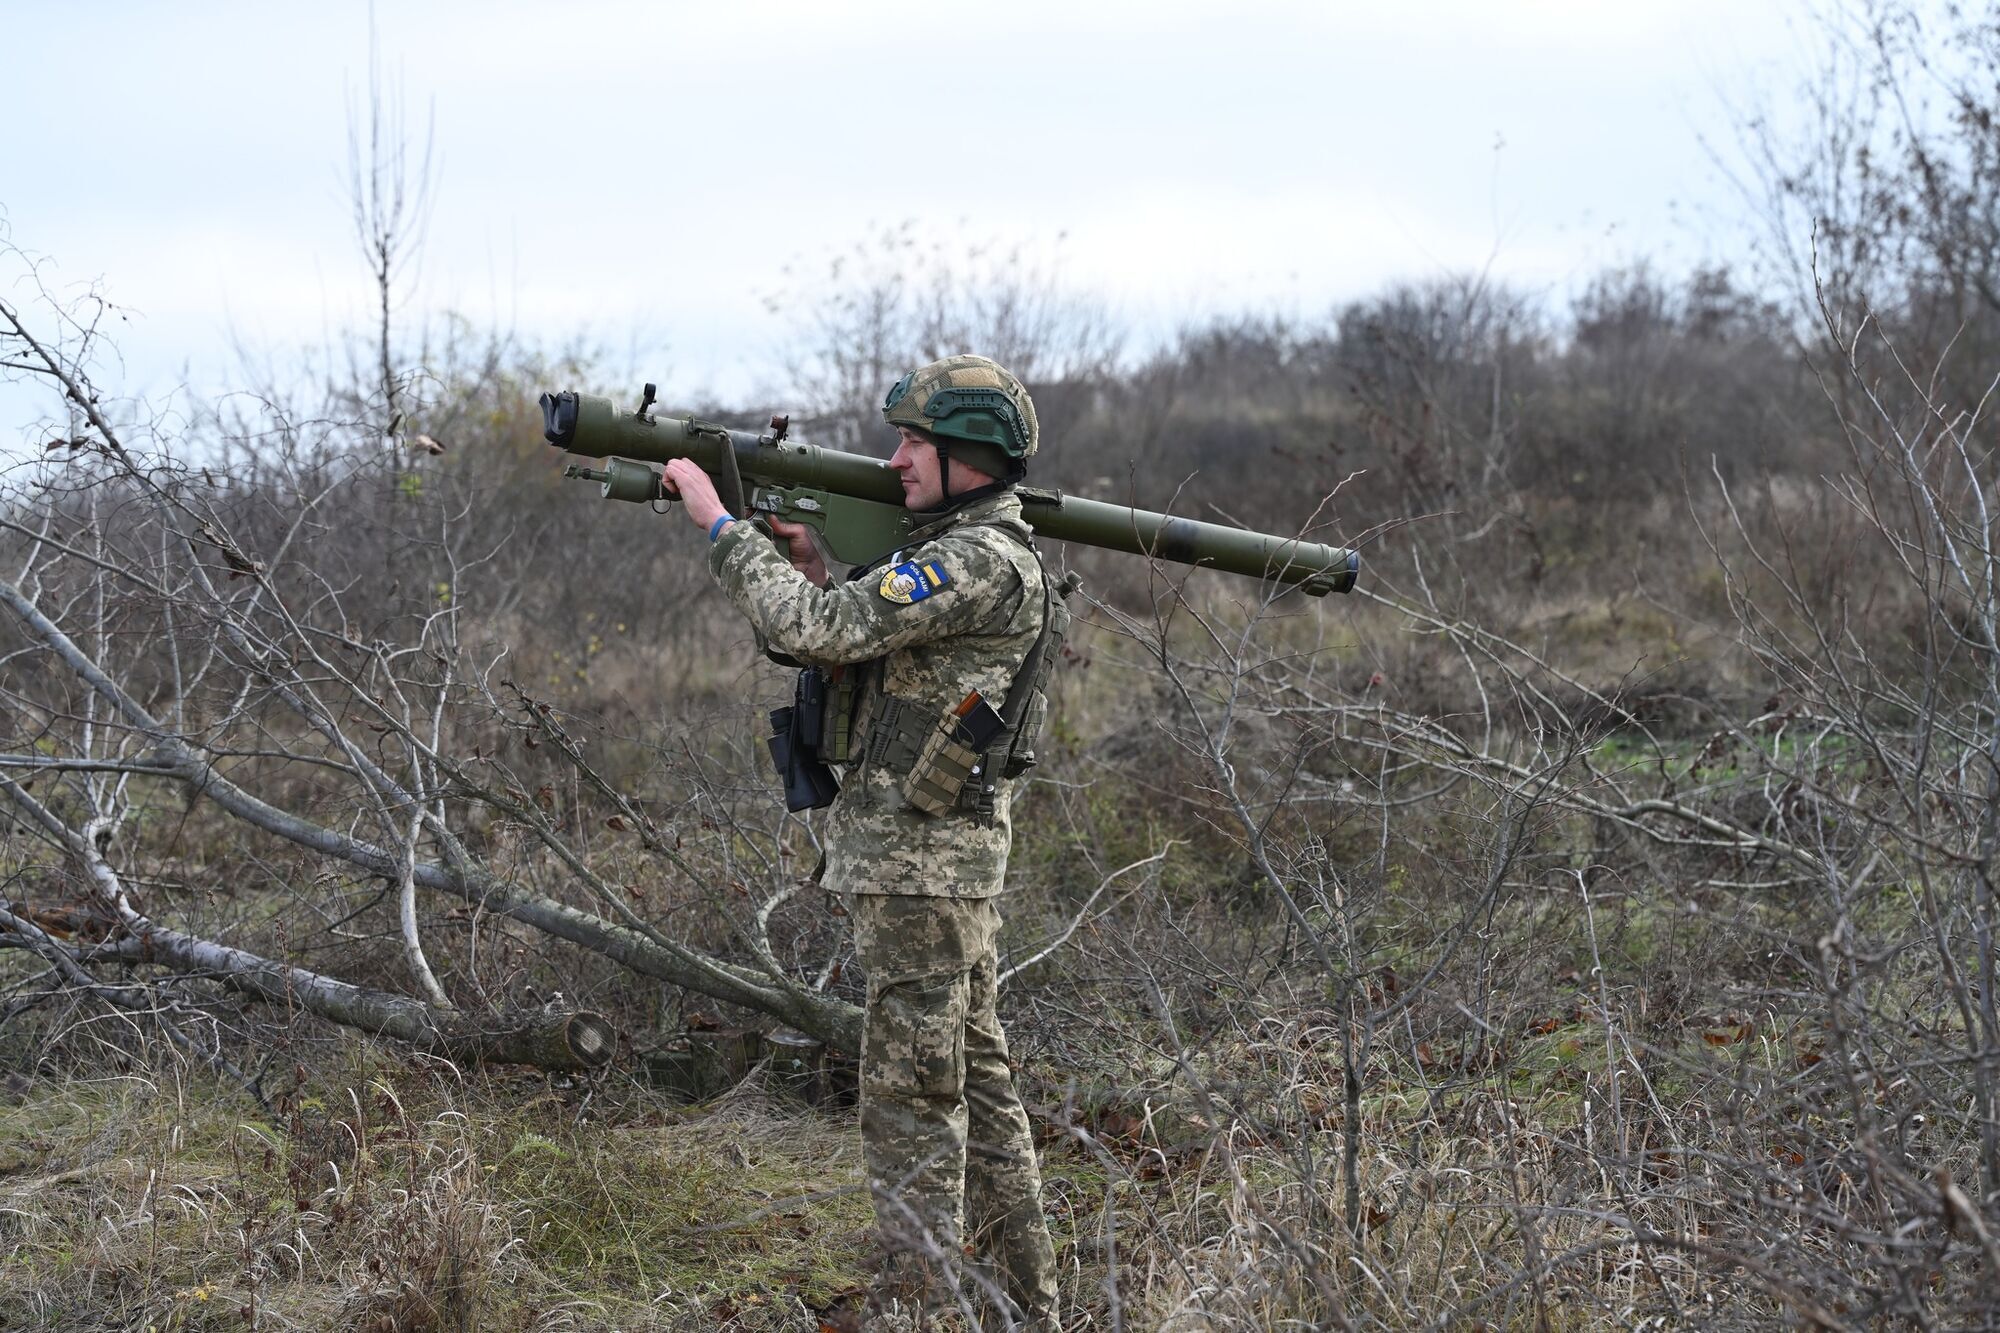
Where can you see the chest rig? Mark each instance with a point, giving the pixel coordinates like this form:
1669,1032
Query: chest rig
948,762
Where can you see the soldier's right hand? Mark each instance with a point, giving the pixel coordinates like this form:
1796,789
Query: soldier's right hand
799,549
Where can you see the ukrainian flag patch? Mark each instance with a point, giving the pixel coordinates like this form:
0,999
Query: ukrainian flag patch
912,581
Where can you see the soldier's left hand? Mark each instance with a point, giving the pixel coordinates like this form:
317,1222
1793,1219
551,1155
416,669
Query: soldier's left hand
696,491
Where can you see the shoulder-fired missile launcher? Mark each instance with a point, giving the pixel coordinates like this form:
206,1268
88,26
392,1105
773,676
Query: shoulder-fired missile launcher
854,505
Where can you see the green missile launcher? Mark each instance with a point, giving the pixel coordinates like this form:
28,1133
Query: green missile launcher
855,507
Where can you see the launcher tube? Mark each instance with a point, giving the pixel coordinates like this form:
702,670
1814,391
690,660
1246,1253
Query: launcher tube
589,425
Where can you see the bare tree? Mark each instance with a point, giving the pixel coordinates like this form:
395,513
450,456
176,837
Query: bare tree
389,180
172,652
906,297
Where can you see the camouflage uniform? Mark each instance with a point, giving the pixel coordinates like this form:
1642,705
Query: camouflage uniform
943,1129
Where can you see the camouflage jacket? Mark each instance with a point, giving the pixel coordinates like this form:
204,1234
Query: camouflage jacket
970,632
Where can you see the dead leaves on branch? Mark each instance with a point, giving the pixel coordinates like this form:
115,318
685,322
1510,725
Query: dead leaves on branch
240,565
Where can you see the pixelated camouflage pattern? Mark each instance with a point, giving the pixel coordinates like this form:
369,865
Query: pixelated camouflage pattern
948,1146
963,372
947,1142
971,634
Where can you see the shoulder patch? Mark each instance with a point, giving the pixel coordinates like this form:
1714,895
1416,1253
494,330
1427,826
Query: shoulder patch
912,581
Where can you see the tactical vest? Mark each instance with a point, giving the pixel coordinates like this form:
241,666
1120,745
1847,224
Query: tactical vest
942,769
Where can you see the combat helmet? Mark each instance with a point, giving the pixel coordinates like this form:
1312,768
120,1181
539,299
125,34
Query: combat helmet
973,409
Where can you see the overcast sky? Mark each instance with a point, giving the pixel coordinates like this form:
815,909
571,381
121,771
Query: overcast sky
643,173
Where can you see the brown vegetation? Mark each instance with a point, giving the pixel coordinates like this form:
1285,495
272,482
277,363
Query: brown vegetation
1590,922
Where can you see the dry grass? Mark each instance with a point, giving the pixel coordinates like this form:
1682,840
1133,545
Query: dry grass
398,1201
1591,1117
1591,1087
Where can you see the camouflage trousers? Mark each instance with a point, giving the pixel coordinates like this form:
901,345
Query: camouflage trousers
948,1148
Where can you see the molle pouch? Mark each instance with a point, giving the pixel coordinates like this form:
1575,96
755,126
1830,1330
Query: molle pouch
944,765
809,710
836,738
1021,749
1034,678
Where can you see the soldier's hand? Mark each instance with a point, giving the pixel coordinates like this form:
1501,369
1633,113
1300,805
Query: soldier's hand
799,549
696,491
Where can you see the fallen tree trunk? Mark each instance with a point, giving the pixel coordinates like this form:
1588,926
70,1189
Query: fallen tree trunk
549,1040
836,1022
833,1021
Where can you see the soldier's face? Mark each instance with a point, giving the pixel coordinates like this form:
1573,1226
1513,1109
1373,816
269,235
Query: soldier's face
916,462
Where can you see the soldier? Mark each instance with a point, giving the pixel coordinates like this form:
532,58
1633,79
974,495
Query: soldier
916,841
